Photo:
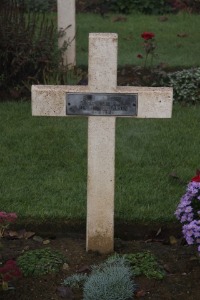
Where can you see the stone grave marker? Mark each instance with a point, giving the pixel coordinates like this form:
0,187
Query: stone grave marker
66,12
101,101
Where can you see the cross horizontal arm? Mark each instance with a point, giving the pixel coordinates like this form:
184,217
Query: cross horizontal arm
50,100
153,102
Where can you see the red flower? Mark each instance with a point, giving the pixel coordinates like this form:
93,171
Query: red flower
147,35
139,56
196,178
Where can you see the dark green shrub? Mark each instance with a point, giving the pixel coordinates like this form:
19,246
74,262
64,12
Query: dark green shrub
37,5
121,6
190,6
143,6
28,49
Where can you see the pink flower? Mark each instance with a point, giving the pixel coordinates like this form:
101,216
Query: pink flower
10,271
7,217
3,216
11,217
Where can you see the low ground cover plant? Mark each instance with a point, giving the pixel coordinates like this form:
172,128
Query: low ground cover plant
144,263
113,279
40,262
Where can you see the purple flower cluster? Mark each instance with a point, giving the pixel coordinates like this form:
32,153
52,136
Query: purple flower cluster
191,232
188,213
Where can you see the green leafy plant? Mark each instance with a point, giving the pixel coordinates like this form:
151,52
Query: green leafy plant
186,85
121,6
144,263
37,5
145,6
40,261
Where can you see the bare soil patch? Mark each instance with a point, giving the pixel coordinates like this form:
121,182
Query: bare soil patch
179,260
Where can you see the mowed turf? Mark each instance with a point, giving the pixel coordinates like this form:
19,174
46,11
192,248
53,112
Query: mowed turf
177,38
43,164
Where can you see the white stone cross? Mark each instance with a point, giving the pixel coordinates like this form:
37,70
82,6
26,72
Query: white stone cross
102,75
66,14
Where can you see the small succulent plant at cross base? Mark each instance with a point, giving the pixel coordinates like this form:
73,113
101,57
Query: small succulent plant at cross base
188,212
149,48
40,262
144,263
111,280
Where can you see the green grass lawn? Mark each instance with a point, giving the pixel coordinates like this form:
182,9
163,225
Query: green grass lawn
171,49
177,38
43,161
43,164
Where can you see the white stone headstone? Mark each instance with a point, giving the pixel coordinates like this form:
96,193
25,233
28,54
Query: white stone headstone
102,75
66,12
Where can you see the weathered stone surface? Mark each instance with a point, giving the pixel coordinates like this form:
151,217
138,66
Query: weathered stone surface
152,103
66,20
101,146
101,182
102,73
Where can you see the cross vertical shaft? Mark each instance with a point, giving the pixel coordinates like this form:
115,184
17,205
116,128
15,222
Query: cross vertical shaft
101,146
51,100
